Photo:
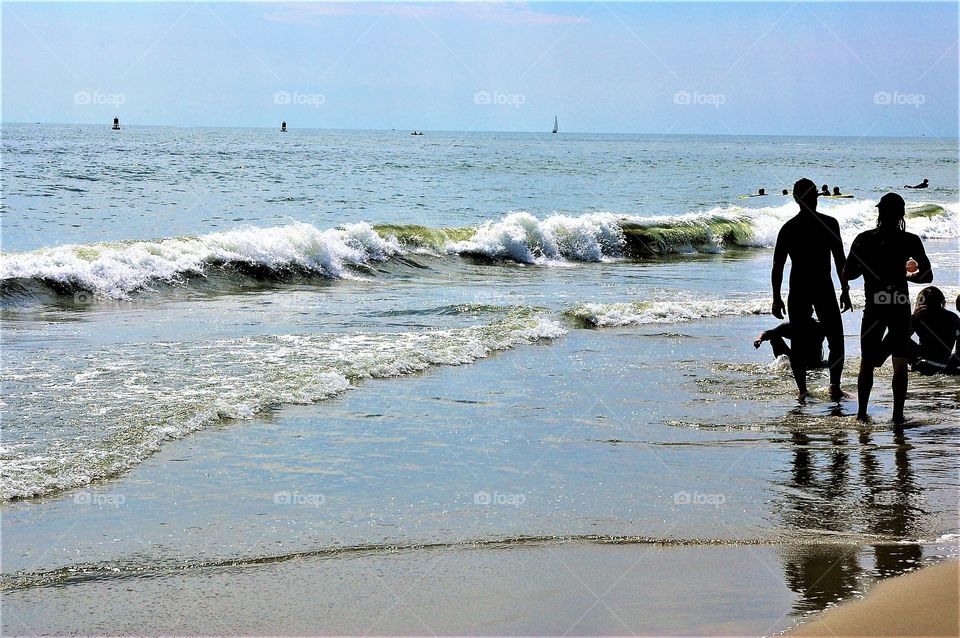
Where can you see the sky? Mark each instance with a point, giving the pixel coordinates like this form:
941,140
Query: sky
759,68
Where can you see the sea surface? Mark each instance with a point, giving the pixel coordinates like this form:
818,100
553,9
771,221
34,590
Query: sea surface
225,347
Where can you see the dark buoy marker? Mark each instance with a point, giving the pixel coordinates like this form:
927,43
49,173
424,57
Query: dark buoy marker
283,127
116,124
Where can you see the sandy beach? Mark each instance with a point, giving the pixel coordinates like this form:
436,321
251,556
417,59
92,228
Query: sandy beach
922,603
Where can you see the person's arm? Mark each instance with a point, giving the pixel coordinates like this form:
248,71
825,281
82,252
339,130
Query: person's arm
839,260
924,272
776,275
853,267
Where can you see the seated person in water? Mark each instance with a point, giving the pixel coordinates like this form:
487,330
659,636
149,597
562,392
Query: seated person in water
938,330
925,183
805,335
762,192
836,190
824,190
785,192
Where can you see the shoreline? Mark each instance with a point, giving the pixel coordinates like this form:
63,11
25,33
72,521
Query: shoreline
925,602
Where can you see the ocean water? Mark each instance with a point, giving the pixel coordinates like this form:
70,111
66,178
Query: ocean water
229,346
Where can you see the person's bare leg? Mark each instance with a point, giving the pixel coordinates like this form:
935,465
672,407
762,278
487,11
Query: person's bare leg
899,388
864,386
799,373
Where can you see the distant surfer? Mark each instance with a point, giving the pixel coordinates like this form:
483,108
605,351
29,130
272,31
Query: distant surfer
761,192
825,190
809,239
888,257
785,192
938,331
924,184
836,191
797,330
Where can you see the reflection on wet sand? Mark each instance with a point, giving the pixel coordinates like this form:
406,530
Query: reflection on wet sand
829,495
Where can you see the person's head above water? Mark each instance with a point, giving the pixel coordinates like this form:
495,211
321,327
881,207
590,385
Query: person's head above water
836,190
805,194
931,297
785,192
761,192
825,188
891,208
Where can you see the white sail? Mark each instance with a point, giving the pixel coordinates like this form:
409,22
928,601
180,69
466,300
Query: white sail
556,124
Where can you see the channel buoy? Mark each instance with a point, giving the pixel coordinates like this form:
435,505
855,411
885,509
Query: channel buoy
283,127
116,124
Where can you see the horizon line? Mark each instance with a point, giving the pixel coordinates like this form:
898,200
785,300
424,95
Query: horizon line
109,123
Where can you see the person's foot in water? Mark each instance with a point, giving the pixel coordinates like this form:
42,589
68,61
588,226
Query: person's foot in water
837,394
899,419
863,417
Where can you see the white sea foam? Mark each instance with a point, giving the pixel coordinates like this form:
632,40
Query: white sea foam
118,405
115,269
635,313
522,237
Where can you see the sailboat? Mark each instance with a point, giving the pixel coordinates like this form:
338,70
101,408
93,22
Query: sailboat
556,125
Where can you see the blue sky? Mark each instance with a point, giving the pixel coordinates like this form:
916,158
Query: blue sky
752,68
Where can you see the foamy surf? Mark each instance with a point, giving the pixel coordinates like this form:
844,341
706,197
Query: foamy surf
114,270
120,404
638,313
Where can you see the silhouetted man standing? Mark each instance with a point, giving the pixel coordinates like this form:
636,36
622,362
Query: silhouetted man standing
887,257
808,239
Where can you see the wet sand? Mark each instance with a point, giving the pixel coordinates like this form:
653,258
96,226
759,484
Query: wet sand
921,603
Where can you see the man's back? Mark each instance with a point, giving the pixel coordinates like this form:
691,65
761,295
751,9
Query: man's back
937,329
808,238
881,257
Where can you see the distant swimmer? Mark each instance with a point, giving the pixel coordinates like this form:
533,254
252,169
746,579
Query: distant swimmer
836,191
809,239
761,192
824,190
887,257
924,184
938,331
807,331
785,192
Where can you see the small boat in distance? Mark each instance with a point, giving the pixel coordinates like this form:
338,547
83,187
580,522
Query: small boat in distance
417,133
116,124
283,126
556,124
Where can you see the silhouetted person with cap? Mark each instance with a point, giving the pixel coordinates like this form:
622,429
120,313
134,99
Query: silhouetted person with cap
887,257
924,184
808,239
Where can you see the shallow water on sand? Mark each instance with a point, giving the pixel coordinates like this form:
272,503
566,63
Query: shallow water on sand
288,390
